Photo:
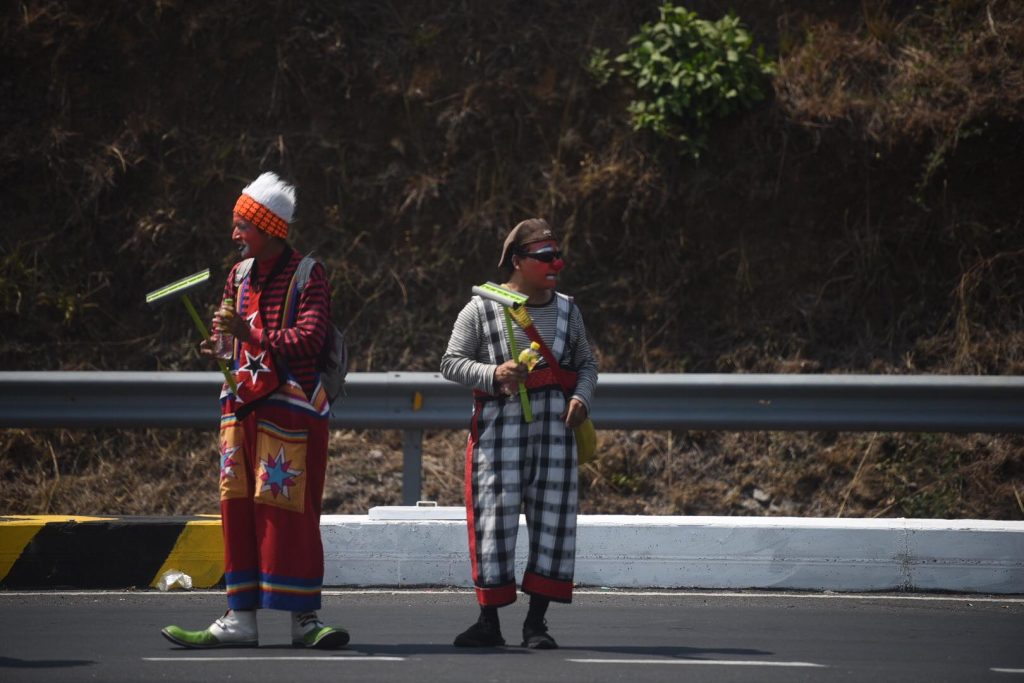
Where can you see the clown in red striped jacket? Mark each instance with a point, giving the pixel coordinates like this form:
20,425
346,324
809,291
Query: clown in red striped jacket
273,431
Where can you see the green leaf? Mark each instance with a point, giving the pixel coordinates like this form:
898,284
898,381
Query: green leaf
688,72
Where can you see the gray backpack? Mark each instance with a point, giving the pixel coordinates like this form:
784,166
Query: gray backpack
333,361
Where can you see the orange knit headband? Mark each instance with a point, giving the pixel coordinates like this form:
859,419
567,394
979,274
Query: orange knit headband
262,217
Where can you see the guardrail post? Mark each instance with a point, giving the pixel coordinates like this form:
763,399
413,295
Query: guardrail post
412,465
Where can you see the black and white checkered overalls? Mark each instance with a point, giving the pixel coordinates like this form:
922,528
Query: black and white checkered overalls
512,466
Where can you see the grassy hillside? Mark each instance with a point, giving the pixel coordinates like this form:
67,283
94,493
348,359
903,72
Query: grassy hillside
864,218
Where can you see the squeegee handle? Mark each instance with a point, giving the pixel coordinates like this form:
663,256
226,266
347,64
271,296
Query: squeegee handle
206,336
524,400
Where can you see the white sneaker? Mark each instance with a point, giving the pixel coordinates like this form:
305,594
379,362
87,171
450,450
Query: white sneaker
234,629
309,631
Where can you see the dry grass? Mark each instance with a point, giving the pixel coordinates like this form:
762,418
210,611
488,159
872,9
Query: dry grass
926,75
868,220
138,472
171,472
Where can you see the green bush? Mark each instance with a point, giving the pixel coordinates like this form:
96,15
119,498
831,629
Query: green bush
688,72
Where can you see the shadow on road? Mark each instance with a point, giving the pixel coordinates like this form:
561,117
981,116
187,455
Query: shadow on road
13,663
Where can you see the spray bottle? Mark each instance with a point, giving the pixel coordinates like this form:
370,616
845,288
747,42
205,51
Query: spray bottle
224,341
530,356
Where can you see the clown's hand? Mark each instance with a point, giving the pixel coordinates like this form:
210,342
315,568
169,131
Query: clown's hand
225,320
575,413
508,375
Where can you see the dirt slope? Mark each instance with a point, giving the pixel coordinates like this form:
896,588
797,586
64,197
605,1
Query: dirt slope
865,219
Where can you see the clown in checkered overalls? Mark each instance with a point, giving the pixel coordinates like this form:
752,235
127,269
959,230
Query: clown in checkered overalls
514,466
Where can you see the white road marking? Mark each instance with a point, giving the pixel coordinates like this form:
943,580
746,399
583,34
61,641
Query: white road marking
247,658
1008,671
714,662
802,596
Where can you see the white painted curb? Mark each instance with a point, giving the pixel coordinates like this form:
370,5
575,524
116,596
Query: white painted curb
409,546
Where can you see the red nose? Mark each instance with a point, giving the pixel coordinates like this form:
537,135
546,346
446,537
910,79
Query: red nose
557,264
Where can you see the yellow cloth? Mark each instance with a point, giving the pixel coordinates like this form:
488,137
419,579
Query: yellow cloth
586,442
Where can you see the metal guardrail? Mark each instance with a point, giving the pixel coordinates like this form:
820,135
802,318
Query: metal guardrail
414,401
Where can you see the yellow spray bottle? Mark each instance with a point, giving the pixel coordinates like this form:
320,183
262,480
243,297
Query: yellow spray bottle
530,356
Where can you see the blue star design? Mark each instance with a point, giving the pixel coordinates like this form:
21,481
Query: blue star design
278,476
254,365
227,463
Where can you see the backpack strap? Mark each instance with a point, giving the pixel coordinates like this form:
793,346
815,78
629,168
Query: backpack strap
242,271
299,280
241,275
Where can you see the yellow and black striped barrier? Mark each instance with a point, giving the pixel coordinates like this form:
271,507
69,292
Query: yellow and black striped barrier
108,551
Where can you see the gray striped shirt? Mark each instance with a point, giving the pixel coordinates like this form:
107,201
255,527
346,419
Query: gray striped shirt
467,361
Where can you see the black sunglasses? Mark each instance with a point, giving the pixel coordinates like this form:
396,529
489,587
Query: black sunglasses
542,256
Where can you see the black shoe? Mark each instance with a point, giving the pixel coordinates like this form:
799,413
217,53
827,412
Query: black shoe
480,634
536,637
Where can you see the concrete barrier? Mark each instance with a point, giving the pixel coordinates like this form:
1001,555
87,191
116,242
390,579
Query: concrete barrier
414,546
408,546
78,551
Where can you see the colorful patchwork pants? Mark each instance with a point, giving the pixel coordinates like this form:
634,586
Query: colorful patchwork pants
272,470
512,466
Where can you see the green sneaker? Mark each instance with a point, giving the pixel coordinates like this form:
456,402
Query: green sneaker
309,631
232,630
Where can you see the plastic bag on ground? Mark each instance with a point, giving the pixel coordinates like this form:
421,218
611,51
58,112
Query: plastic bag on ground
174,578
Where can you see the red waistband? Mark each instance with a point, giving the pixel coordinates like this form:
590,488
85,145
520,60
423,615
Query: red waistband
544,377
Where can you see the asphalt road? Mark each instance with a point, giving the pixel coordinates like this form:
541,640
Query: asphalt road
604,636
